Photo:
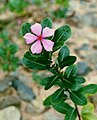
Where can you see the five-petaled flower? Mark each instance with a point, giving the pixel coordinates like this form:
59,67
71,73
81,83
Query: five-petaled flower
39,38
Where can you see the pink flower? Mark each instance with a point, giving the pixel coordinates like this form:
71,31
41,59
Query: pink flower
39,37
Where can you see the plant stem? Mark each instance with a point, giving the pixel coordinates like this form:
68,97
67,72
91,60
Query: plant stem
78,112
79,117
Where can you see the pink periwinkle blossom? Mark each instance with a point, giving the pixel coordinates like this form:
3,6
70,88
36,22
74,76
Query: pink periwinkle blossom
38,38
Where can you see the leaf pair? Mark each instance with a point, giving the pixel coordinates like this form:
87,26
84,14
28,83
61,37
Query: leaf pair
62,107
34,62
61,35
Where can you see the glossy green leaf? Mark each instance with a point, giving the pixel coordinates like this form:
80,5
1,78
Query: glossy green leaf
30,56
59,83
52,80
62,107
40,58
71,71
53,70
71,84
79,79
47,101
89,89
47,22
78,98
74,83
69,60
63,53
58,45
33,65
26,28
68,84
61,35
71,114
57,96
44,81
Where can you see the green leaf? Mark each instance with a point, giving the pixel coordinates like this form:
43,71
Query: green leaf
57,96
47,22
44,81
33,65
78,98
63,53
89,116
62,107
89,89
72,83
26,28
47,101
71,71
87,112
89,108
53,70
41,58
79,79
59,83
61,35
30,56
69,60
69,84
71,114
52,80
58,45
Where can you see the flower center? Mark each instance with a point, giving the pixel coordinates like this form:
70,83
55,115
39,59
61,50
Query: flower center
40,37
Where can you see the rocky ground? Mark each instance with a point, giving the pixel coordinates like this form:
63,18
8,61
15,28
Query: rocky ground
22,97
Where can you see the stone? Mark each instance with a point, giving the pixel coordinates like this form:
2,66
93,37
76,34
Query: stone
85,47
88,18
10,113
81,51
52,116
83,68
25,92
9,100
6,83
31,109
36,108
91,58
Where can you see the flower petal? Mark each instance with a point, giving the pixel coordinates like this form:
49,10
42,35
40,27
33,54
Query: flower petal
47,32
48,44
36,29
29,38
36,47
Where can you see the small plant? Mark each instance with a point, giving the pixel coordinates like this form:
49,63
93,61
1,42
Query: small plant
44,41
64,3
17,5
61,11
8,60
37,2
